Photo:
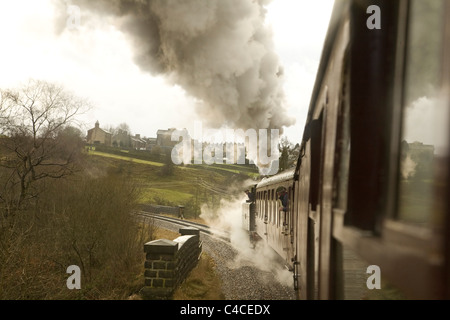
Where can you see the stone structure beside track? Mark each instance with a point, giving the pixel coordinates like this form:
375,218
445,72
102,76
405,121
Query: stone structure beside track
168,263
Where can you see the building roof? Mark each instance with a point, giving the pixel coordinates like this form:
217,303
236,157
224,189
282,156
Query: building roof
107,132
169,131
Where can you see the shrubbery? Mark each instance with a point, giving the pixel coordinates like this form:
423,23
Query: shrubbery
58,208
83,221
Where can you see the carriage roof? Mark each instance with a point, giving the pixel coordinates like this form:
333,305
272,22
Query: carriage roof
287,175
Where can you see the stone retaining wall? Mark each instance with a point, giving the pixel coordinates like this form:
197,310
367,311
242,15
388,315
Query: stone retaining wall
168,263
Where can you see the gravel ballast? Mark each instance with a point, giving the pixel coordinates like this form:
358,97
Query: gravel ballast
247,274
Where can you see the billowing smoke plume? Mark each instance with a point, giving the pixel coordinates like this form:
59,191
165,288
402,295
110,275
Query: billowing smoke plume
219,51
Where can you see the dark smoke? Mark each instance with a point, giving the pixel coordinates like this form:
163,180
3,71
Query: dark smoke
219,51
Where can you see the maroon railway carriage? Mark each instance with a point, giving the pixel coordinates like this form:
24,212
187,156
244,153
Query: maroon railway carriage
369,197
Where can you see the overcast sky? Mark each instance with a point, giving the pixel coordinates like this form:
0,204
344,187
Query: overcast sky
97,63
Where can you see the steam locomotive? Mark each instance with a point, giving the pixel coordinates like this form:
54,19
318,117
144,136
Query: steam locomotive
369,197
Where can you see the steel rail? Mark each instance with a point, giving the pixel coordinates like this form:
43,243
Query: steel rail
224,235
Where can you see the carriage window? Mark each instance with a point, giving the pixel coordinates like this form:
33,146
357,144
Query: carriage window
257,204
424,116
261,205
274,204
291,206
316,155
276,212
264,209
343,142
271,206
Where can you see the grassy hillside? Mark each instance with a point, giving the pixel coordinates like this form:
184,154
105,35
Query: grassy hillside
83,219
190,186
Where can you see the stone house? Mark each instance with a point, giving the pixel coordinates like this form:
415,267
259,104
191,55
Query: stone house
137,143
164,140
122,139
97,135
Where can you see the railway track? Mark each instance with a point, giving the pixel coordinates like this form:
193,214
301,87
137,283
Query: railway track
222,234
243,277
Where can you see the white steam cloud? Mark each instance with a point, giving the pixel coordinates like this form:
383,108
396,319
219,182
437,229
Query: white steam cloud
229,217
408,167
220,51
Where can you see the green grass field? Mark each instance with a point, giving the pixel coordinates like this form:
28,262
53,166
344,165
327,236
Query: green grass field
188,185
109,155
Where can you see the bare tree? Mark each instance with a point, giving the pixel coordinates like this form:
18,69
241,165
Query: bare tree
4,112
34,146
124,127
111,129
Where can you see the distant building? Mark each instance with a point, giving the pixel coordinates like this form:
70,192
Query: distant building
97,135
121,139
151,142
124,140
137,143
417,160
164,139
